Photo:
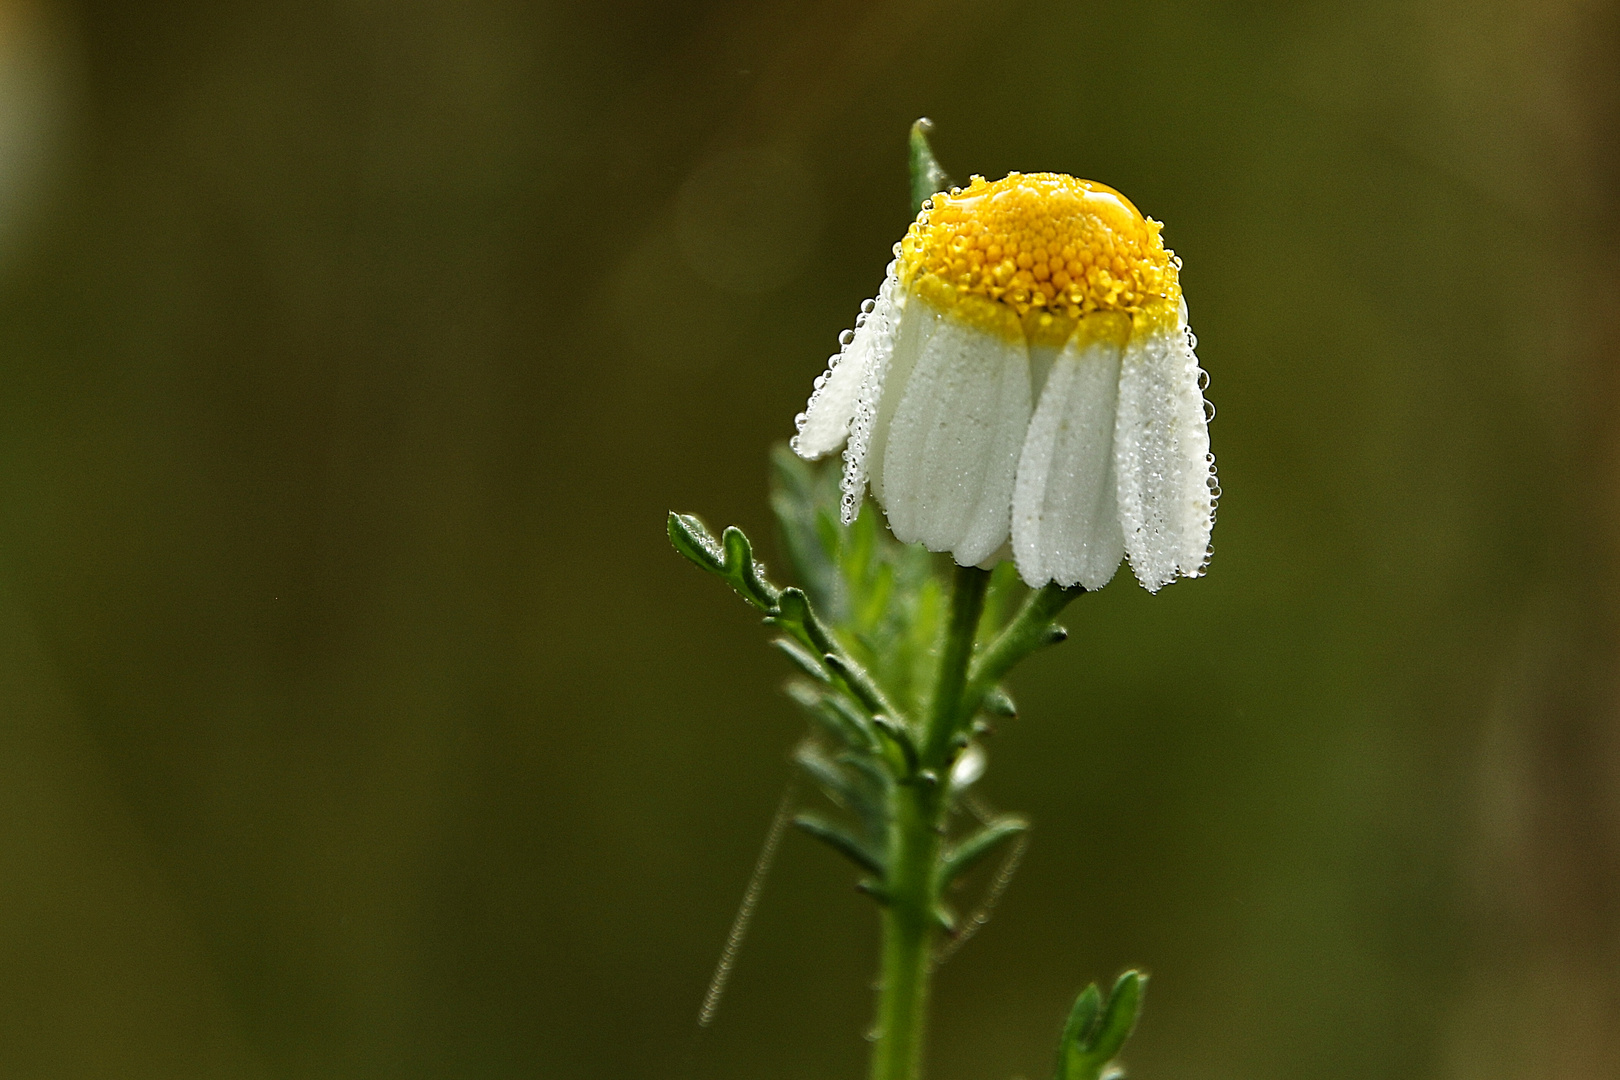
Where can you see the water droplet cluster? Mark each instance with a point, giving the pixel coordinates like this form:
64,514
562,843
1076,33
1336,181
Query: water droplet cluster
879,321
1037,242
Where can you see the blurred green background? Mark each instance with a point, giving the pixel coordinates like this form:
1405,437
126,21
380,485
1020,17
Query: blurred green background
356,719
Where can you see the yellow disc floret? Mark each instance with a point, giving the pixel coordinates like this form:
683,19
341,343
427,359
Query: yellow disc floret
1035,253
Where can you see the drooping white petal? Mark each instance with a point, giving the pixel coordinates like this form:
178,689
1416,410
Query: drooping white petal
951,448
1065,521
1161,453
883,324
916,325
825,422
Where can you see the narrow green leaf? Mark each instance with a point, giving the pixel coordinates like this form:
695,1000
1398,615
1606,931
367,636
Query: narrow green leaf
997,702
964,856
899,736
1097,1028
874,599
794,614
802,658
927,178
874,889
870,768
832,780
731,557
1078,1031
850,715
744,573
801,498
805,694
840,841
1031,629
839,717
1120,1015
692,539
861,684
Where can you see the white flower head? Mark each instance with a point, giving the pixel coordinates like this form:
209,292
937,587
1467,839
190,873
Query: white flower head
1026,374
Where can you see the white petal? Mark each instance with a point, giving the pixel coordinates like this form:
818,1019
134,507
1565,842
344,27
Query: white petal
824,424
916,326
1065,524
882,327
1161,452
952,445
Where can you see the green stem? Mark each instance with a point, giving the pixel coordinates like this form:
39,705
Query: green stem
915,828
967,604
908,935
1028,631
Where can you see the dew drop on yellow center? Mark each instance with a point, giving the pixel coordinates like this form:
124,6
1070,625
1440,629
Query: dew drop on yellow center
1034,254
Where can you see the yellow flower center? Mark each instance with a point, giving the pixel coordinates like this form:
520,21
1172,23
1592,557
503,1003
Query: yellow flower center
1034,255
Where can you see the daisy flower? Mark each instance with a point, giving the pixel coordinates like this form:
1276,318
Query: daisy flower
1024,383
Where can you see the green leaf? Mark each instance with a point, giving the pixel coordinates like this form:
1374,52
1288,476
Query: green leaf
746,575
839,719
899,737
732,557
832,780
964,856
1097,1029
1120,1015
927,178
692,539
997,702
851,787
869,768
1030,630
843,843
800,498
794,614
860,683
1081,1026
802,658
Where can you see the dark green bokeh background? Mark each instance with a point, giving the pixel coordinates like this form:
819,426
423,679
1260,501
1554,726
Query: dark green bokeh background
356,719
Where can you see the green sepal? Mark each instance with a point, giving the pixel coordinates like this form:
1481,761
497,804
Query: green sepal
945,918
842,842
732,557
927,178
1097,1028
964,856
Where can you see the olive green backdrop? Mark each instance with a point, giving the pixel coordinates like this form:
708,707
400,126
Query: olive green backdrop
356,719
